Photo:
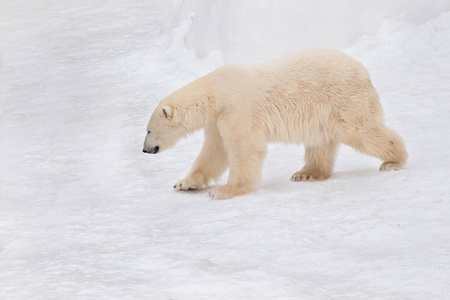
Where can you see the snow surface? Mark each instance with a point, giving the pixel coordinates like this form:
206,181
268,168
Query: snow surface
84,214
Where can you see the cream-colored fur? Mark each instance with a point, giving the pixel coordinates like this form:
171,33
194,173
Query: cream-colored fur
318,97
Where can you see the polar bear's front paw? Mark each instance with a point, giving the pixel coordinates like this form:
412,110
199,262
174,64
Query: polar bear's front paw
389,166
307,176
181,185
227,191
190,183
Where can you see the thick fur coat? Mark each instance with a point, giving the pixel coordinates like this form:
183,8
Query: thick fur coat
318,97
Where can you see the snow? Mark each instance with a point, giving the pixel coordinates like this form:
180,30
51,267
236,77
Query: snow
254,31
84,214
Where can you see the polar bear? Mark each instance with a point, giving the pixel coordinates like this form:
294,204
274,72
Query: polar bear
318,97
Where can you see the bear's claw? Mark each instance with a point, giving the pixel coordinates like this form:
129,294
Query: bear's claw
180,187
187,184
389,166
305,176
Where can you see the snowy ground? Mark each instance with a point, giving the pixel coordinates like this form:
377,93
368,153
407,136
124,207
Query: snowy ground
85,215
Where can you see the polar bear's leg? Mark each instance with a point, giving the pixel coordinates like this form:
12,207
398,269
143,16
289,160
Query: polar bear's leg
210,164
246,152
380,142
319,163
245,172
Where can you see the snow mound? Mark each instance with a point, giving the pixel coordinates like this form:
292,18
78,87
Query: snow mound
259,30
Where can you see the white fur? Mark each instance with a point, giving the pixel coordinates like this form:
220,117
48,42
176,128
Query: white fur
319,97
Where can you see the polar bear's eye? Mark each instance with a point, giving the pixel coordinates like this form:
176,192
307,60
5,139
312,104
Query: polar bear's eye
148,132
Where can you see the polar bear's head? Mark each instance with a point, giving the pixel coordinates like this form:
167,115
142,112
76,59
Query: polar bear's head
184,111
163,130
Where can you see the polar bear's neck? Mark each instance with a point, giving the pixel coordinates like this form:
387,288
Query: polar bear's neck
194,105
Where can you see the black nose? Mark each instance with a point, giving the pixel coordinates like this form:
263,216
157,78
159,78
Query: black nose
153,150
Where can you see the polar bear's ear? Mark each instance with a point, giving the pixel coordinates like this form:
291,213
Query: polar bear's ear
167,112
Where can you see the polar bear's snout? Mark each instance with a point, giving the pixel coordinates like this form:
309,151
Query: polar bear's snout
153,150
149,144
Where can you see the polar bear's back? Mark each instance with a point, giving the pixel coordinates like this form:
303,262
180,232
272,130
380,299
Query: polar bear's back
317,67
310,96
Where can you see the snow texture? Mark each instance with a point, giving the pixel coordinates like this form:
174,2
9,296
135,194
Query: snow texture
84,214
